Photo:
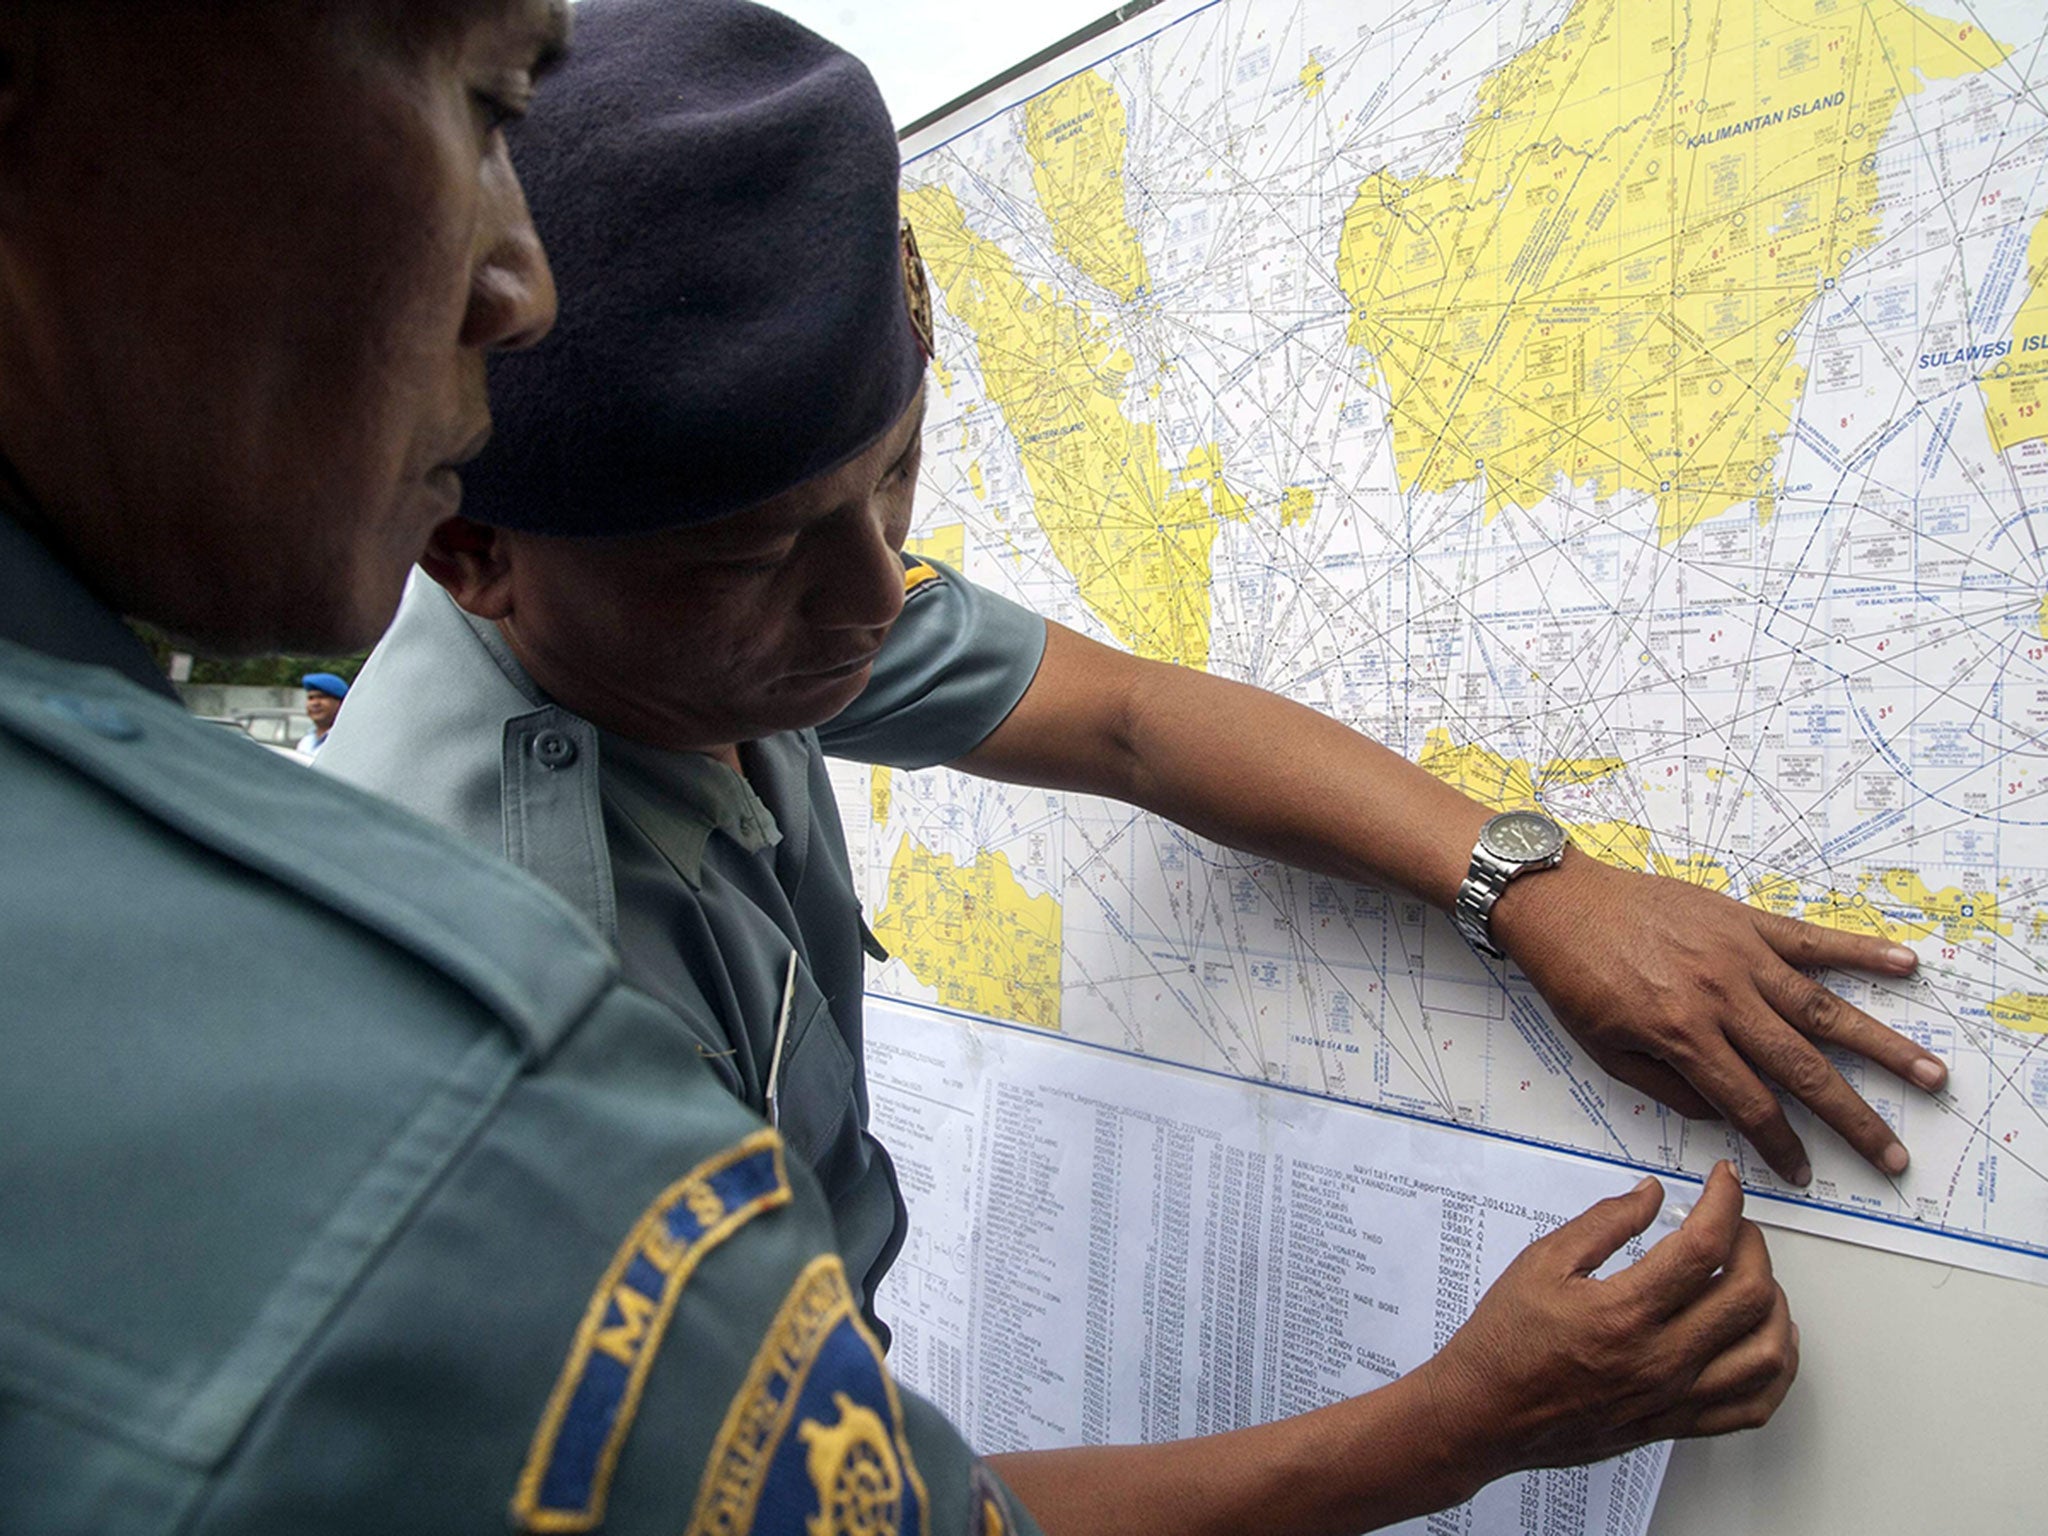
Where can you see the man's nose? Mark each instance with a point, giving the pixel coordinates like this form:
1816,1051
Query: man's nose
862,580
512,289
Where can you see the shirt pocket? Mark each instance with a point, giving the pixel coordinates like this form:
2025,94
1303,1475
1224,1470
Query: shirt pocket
815,1090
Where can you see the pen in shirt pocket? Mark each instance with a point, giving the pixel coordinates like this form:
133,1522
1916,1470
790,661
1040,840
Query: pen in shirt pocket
772,1099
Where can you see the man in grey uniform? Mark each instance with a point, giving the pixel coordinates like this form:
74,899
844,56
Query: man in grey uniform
471,1230
672,597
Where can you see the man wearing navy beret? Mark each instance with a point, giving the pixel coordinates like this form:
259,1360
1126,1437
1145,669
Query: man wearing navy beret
470,1232
678,582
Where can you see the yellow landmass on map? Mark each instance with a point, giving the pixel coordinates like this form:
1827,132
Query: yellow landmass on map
1135,535
947,542
1506,783
1957,915
1510,783
881,794
1648,202
2026,1012
1694,869
974,933
2013,385
1850,911
1297,505
1074,134
1581,770
1620,843
1312,79
2041,619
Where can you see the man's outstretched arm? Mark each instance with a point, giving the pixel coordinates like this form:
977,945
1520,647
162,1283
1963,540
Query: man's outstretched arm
1684,994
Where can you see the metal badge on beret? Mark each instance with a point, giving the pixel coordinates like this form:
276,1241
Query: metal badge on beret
917,290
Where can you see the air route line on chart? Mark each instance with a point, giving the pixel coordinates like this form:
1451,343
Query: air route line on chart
1430,1076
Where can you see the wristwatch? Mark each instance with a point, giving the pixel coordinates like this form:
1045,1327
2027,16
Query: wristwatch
1508,846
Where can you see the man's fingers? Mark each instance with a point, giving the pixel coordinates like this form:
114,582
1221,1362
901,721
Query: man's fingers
1780,1050
1752,1362
1741,1389
1736,1307
1731,1085
1755,1410
1597,1234
1680,1267
1728,1418
1647,1075
1810,946
1827,1018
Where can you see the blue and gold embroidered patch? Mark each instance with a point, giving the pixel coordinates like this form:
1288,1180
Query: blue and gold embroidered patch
814,1442
919,577
569,1469
988,1504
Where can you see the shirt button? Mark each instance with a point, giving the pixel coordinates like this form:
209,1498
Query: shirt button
102,719
553,750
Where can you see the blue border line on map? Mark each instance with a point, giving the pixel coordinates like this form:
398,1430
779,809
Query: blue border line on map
1944,1233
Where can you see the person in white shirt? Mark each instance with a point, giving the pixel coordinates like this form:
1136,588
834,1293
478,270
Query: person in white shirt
324,693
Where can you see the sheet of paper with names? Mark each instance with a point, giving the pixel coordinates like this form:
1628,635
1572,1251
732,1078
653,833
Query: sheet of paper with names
1109,1250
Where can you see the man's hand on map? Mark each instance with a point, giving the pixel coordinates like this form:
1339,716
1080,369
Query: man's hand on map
1557,1368
1699,1001
1693,998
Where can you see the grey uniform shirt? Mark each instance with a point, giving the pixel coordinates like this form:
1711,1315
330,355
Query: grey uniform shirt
707,880
467,1233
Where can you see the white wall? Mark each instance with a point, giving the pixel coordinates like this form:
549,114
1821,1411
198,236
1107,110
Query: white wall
1919,1409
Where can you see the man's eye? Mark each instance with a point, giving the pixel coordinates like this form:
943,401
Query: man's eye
496,111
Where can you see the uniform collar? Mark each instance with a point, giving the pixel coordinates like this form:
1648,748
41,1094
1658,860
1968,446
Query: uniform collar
46,608
678,799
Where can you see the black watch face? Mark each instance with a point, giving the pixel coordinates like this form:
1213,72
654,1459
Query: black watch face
1523,837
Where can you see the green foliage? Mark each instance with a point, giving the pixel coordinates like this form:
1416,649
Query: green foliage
252,671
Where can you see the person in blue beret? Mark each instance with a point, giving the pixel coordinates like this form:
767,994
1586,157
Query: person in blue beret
678,583
324,693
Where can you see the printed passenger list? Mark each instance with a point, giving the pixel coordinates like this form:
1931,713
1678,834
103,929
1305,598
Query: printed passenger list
1108,1250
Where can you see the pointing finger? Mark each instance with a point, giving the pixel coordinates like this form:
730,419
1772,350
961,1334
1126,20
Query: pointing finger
1732,1086
1810,946
1790,1058
1823,1016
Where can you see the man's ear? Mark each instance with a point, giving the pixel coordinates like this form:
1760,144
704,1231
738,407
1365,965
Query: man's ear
475,564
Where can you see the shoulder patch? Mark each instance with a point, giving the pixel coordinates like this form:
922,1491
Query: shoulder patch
988,1504
919,577
569,1469
814,1442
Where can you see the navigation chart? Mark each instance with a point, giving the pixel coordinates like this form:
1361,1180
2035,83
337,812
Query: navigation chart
1636,408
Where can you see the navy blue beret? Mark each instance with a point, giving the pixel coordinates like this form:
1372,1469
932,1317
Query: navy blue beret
718,191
